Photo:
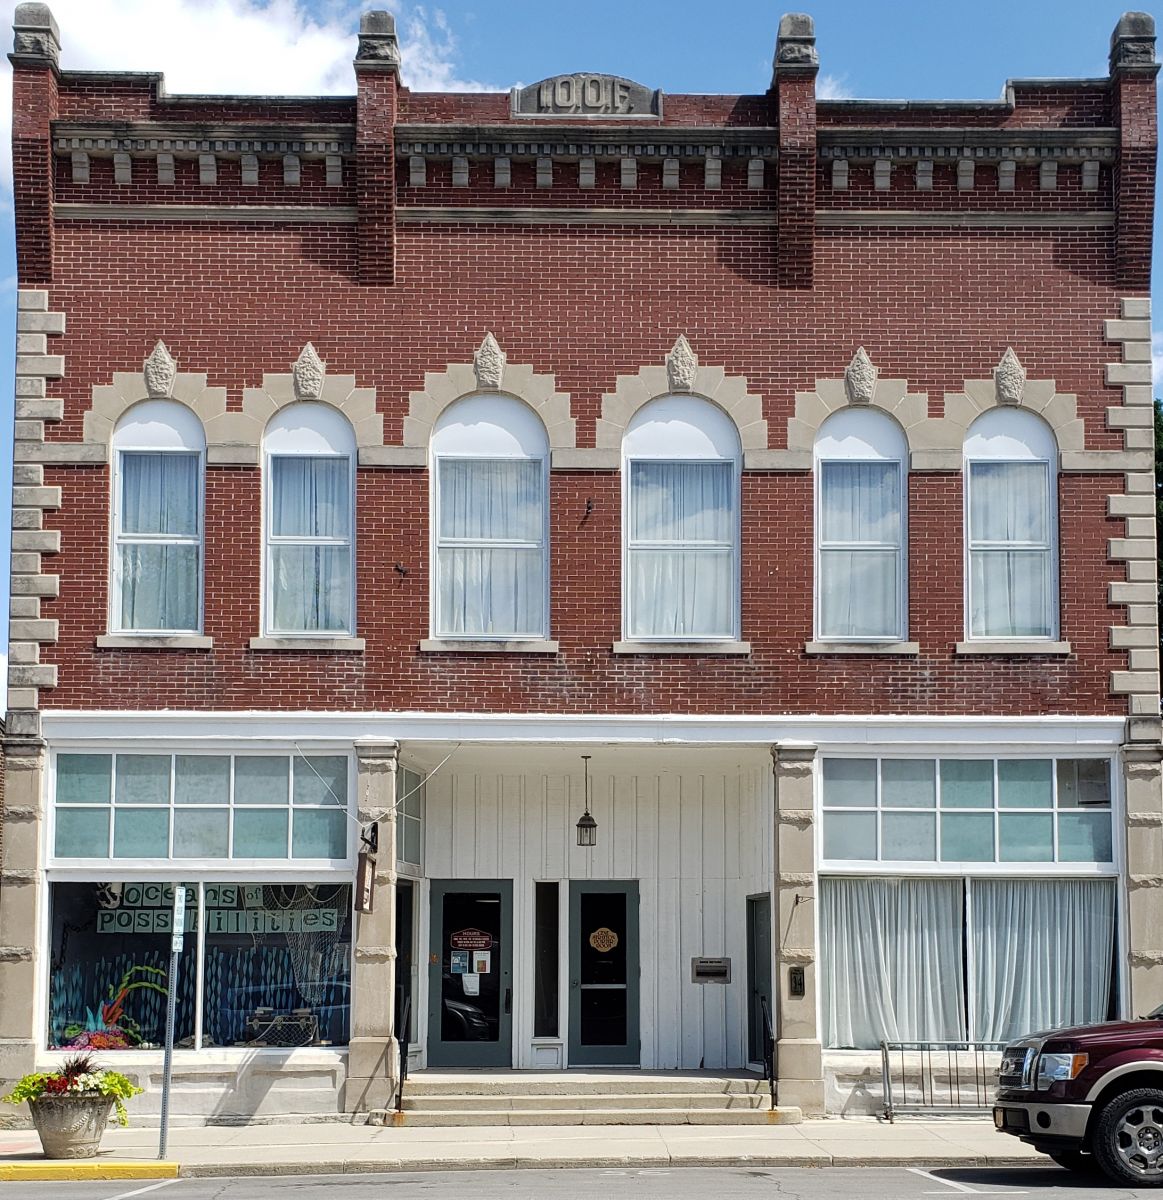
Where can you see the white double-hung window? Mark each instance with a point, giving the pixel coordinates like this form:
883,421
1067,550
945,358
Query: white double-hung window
860,528
1011,522
490,457
158,455
681,460
309,454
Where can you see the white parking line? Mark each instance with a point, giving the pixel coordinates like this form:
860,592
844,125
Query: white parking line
962,1187
153,1187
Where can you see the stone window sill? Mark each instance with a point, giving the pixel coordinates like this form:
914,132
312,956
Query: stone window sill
712,648
486,646
150,641
343,645
898,648
1025,648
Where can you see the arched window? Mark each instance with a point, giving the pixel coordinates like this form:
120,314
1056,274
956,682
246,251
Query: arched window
309,452
860,527
489,481
1011,466
681,460
158,454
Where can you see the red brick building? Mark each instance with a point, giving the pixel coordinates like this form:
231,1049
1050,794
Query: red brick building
424,456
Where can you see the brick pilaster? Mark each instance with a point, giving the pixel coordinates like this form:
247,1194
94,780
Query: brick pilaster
794,82
377,76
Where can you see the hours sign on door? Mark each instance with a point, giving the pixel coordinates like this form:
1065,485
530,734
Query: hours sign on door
470,939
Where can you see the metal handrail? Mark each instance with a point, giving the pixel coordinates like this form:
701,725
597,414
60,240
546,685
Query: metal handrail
768,1048
405,1011
960,1079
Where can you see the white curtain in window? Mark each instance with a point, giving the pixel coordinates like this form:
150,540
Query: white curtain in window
1009,530
891,968
310,564
1043,951
159,552
860,538
681,554
491,547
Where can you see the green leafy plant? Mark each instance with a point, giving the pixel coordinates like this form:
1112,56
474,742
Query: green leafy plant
79,1077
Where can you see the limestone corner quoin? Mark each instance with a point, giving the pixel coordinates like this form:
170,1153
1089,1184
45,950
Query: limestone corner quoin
585,246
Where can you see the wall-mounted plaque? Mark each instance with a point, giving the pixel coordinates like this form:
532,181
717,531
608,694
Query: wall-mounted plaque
586,94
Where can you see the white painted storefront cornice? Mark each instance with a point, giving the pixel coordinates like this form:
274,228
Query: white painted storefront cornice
250,727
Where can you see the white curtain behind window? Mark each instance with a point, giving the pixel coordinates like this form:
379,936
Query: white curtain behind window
860,538
159,541
681,551
1043,952
1009,530
491,547
891,961
310,544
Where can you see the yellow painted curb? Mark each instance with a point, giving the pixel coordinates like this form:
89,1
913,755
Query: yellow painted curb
88,1170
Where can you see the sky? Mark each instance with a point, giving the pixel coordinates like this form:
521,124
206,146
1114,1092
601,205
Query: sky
869,49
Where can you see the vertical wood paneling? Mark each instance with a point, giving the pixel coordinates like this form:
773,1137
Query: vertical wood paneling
698,843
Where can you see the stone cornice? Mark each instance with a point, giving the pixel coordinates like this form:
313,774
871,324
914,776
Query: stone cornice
106,138
903,144
615,141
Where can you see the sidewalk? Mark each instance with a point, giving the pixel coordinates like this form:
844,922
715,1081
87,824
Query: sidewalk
329,1148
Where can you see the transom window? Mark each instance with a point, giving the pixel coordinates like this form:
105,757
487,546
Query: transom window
681,461
310,461
158,452
201,806
1011,476
967,810
490,457
860,563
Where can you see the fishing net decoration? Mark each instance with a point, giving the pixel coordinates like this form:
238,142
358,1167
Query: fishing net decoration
314,950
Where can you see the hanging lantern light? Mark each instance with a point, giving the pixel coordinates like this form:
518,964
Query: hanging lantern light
587,827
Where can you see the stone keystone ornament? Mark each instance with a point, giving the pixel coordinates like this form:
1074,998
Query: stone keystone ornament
1009,378
308,373
860,378
489,364
682,363
160,371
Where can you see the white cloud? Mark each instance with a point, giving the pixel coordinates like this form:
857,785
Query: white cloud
1157,361
241,47
833,87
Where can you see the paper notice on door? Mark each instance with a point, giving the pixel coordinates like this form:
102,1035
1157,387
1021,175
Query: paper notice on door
482,961
460,962
472,984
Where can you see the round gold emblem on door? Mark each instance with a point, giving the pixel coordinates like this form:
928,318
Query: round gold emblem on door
603,940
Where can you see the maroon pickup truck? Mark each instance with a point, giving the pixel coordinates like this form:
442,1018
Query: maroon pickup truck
1091,1097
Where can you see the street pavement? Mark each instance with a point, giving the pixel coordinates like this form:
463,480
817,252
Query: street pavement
727,1183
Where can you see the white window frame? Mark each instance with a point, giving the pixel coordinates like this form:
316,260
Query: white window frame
1011,436
859,435
155,427
406,867
487,428
681,429
321,432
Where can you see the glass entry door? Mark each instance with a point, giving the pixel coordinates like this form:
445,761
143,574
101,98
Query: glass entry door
470,974
603,973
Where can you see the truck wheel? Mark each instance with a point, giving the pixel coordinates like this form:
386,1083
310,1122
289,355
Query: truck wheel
1076,1161
1128,1139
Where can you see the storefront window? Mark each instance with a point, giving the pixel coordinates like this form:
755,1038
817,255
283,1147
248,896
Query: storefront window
274,969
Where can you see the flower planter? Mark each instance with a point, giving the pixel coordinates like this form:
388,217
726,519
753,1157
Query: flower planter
71,1126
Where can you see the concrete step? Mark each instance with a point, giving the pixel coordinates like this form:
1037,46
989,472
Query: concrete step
629,1083
639,1100
436,1119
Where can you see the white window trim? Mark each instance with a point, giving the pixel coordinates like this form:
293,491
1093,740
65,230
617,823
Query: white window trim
440,638
1020,642
685,441
985,870
171,869
406,868
343,638
117,539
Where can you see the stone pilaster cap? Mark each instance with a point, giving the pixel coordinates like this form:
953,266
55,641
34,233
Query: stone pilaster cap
795,47
36,36
1133,45
378,48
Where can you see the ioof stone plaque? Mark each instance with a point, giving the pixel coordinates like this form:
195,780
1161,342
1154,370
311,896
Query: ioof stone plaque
586,94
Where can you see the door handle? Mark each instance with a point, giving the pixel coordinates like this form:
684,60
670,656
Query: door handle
508,1000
